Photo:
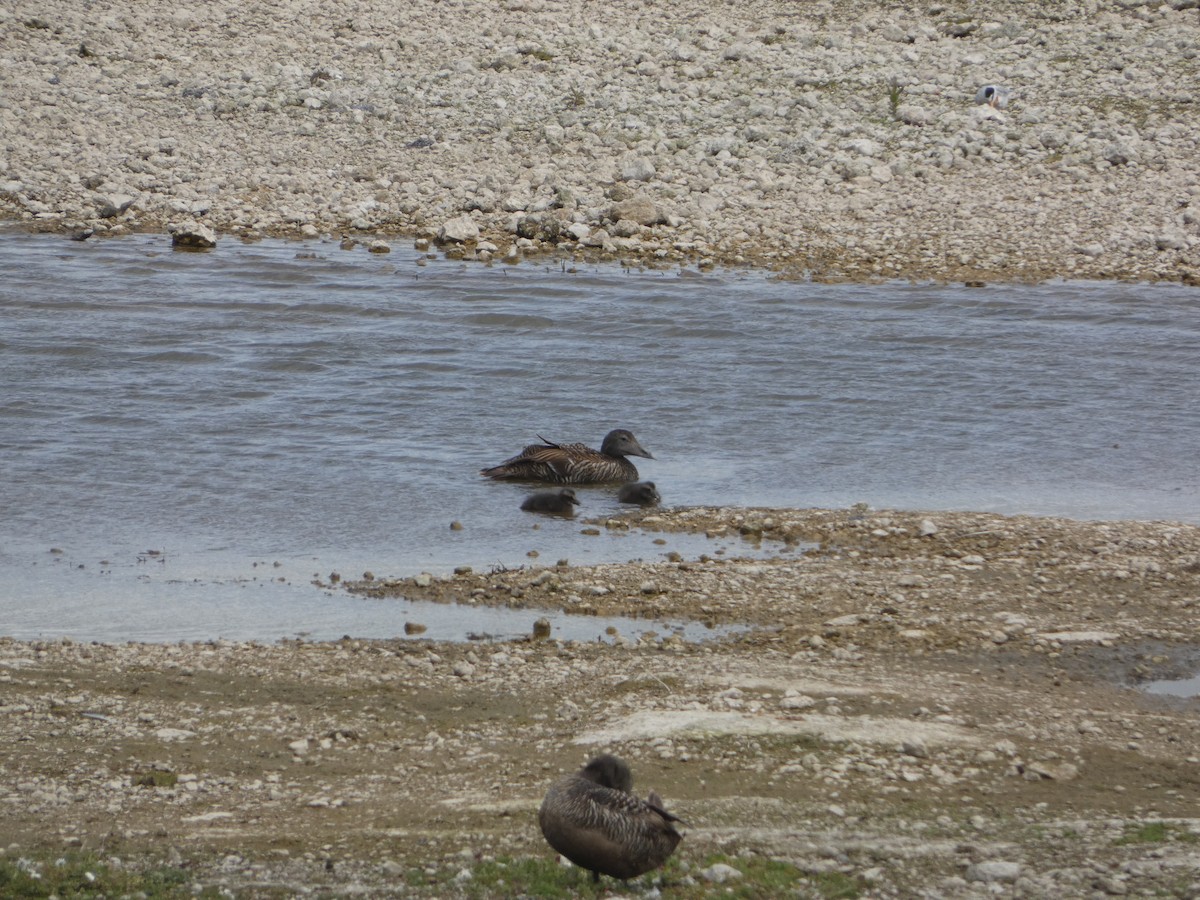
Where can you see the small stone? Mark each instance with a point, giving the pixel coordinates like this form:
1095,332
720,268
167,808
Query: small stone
173,734
541,629
719,873
796,701
641,210
994,871
913,115
637,168
113,205
414,628
458,231
846,621
928,528
915,748
456,526
424,579
192,237
463,669
379,247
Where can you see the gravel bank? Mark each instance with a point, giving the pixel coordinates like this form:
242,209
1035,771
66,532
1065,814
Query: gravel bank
937,705
818,138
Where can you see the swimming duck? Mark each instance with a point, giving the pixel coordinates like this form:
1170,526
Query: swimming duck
594,820
643,493
574,463
562,502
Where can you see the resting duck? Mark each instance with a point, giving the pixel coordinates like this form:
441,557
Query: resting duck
594,820
563,502
643,493
574,463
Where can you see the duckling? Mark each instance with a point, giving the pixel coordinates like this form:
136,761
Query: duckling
561,502
642,493
594,820
574,463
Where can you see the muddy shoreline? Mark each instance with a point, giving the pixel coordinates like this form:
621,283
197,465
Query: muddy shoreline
932,704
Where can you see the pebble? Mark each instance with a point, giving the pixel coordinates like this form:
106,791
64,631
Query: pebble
192,237
993,872
720,873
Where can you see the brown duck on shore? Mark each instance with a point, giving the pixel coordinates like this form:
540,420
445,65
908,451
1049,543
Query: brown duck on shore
574,463
593,819
561,502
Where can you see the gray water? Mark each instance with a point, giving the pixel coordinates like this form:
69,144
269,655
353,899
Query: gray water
269,412
1175,687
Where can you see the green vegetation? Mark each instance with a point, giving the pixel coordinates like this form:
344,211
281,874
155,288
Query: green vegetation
540,53
761,878
86,875
1157,833
78,875
156,778
895,92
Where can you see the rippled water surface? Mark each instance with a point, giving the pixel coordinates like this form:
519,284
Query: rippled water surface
271,411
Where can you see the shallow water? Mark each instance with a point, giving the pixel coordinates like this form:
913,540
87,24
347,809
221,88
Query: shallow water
1175,687
329,411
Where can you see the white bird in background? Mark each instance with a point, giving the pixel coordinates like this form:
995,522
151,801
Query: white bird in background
992,95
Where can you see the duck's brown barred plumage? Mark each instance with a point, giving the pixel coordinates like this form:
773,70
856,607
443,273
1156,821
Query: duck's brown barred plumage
574,463
593,819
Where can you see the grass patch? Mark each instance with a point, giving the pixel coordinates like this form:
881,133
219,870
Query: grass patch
156,778
760,878
86,875
895,91
1157,833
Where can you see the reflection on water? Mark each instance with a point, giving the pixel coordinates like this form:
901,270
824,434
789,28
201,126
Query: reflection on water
330,410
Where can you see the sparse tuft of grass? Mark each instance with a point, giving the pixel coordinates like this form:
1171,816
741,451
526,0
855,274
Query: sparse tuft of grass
85,875
540,53
546,878
895,92
1157,833
156,778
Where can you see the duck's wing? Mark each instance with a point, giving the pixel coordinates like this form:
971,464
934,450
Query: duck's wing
558,463
655,803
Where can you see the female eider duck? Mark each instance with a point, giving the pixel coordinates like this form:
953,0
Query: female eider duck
561,502
574,463
594,820
642,493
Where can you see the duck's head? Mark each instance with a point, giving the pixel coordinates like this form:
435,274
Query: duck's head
621,442
643,493
567,495
610,772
